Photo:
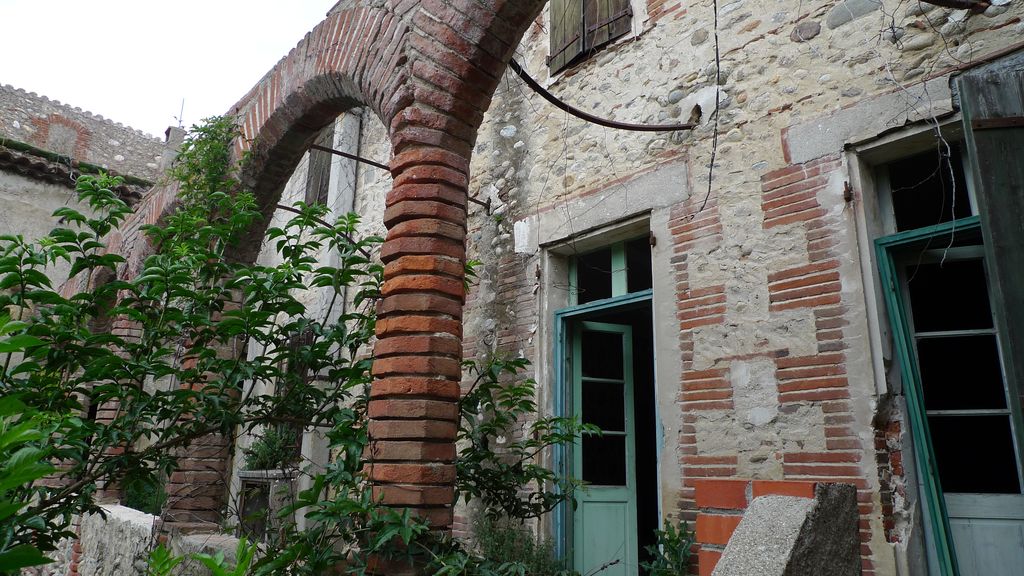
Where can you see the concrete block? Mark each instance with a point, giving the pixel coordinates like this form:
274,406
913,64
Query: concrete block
793,536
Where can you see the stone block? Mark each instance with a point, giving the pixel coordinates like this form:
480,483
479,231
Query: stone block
794,536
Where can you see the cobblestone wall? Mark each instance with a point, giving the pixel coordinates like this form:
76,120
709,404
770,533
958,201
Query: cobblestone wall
55,127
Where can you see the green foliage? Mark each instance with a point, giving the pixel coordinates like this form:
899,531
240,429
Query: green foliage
509,477
162,562
218,566
24,460
671,555
276,448
511,544
176,376
145,493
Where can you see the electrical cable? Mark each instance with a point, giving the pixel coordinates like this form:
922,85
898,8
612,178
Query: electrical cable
590,117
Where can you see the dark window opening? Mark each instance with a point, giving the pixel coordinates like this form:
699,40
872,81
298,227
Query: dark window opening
952,295
929,188
622,268
975,454
638,264
594,276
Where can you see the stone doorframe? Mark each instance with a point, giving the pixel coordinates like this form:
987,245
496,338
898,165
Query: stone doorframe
428,69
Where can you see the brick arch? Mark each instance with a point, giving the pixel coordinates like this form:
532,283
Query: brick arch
428,69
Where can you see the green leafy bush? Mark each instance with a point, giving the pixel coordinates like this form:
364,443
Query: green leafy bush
671,555
276,448
192,304
508,542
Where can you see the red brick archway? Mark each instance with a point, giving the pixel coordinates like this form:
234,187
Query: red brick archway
428,69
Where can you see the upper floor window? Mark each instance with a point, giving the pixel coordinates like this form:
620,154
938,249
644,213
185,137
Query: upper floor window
616,270
578,27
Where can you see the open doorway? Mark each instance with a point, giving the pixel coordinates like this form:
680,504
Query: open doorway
608,381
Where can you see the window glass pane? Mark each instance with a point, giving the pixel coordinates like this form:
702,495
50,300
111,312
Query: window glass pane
604,460
949,296
604,405
602,355
638,264
961,373
594,276
925,186
975,454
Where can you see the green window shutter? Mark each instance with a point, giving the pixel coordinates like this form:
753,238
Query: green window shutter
993,116
566,31
605,20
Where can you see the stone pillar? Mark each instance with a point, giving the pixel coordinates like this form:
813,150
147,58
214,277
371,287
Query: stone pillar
414,399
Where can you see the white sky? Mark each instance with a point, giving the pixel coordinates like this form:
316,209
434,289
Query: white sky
133,61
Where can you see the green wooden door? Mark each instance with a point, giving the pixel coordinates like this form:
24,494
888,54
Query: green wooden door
604,522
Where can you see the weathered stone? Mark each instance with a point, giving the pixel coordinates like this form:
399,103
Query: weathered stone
675,96
792,536
894,34
699,37
850,10
995,10
919,42
805,30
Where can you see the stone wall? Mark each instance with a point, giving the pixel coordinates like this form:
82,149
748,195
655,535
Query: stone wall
776,374
50,125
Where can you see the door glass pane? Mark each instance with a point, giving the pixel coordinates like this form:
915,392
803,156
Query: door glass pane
925,188
961,373
604,405
594,276
975,454
602,355
949,296
638,264
604,460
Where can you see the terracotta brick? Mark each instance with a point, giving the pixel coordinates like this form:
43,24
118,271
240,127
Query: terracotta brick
423,473
399,247
410,450
437,192
415,386
707,559
394,325
716,528
726,494
413,495
420,283
394,304
412,429
437,345
783,488
424,264
416,408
